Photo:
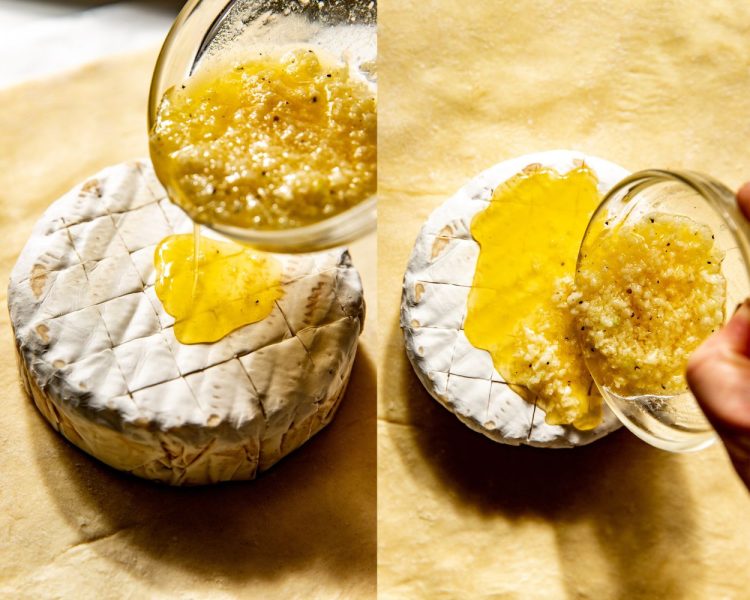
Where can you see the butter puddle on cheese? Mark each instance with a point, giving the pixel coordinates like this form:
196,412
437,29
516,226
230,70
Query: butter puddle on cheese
529,238
213,287
648,293
437,285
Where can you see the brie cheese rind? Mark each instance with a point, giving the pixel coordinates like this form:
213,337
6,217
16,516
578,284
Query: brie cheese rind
98,354
433,308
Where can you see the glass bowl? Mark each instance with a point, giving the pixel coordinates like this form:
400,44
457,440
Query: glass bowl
675,422
344,30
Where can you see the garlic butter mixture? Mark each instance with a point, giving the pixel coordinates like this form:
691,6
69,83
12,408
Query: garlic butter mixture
270,143
226,287
648,293
517,309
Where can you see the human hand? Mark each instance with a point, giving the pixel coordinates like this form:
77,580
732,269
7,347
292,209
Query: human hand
718,374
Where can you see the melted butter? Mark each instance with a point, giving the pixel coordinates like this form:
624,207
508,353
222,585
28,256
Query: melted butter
270,143
213,287
529,238
650,291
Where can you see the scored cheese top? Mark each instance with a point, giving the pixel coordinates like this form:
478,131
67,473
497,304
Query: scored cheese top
433,309
100,356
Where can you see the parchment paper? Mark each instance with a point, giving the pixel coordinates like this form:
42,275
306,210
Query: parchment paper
464,85
71,527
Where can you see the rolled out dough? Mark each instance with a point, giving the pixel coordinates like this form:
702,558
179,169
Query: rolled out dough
465,85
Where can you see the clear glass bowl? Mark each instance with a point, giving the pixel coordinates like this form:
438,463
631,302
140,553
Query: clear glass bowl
676,422
344,30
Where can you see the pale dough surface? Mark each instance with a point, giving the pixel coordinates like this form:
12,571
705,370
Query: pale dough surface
71,527
465,85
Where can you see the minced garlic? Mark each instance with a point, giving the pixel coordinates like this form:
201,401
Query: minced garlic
549,363
270,143
647,294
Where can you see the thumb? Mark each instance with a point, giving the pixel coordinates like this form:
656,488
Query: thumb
718,374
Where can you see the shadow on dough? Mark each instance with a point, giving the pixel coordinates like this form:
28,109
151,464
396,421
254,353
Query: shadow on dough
617,498
313,510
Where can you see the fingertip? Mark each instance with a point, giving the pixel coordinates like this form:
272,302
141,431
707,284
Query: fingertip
743,199
733,337
736,333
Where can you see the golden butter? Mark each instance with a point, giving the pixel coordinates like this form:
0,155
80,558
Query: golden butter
213,287
529,238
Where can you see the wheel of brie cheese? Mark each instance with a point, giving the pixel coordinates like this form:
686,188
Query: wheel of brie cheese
100,359
436,288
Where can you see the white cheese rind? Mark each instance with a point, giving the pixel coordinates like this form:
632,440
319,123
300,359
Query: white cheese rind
433,308
98,355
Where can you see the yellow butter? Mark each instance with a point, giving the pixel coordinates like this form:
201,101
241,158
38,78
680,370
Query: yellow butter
228,286
529,238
